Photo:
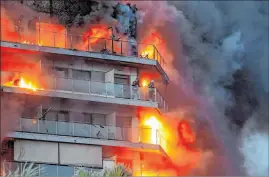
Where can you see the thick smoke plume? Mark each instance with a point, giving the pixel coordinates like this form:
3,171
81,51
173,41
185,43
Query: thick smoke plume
220,49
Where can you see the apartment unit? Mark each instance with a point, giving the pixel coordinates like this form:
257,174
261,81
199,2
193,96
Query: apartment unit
79,106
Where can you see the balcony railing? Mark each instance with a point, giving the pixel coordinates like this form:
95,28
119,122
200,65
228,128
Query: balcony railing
100,89
81,43
130,134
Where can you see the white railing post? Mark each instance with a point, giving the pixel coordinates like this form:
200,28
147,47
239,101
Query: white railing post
73,129
90,130
38,128
73,85
89,87
106,88
56,126
54,84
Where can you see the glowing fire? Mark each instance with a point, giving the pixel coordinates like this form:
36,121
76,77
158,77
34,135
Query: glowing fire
145,83
148,52
154,124
32,43
20,82
95,33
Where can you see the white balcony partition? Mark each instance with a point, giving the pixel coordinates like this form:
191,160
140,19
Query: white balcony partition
109,79
111,122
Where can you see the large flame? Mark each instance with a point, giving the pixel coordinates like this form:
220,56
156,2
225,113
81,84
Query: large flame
22,83
154,124
150,51
96,34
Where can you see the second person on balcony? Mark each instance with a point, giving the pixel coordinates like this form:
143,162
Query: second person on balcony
135,89
151,91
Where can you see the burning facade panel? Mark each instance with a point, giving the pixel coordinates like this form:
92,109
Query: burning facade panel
85,89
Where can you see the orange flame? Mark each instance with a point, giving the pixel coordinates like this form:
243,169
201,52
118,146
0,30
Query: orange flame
149,51
145,82
20,82
95,33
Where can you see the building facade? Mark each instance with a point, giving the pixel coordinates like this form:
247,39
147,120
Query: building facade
79,106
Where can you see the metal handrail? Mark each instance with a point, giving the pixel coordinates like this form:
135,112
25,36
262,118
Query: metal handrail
130,134
103,89
81,43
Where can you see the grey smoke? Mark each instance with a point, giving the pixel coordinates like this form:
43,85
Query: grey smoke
216,46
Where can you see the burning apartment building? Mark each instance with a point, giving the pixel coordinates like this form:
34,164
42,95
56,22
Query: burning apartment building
80,97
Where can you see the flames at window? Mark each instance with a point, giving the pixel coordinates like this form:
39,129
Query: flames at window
19,81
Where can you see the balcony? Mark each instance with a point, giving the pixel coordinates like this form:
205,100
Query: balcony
74,44
91,91
130,134
129,137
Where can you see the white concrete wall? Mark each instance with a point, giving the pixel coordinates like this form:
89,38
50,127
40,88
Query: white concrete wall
84,65
35,151
85,107
81,154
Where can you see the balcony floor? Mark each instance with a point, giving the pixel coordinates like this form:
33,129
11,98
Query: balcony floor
81,96
142,147
146,63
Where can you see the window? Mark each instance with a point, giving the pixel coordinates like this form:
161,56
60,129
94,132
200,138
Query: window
99,119
121,79
28,113
50,115
79,117
65,171
97,76
63,116
122,121
48,170
87,118
83,75
61,72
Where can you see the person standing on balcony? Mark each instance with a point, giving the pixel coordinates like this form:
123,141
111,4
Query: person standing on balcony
135,86
151,90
